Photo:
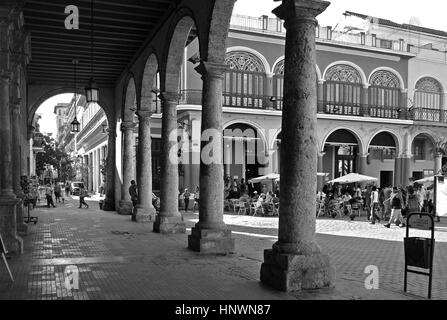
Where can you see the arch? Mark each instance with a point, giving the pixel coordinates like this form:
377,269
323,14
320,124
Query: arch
147,82
179,31
377,72
274,137
422,154
435,82
61,90
394,135
219,23
350,64
432,137
350,130
130,99
251,52
279,64
253,124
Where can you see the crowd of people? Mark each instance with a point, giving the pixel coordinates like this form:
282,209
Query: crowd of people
388,203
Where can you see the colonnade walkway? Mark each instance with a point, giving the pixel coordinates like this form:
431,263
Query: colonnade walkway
120,259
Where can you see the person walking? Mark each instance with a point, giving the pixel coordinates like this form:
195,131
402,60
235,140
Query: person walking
412,201
102,188
374,205
57,192
49,195
196,198
396,208
133,192
82,195
186,196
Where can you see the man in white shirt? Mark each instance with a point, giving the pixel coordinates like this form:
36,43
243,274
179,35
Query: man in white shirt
374,205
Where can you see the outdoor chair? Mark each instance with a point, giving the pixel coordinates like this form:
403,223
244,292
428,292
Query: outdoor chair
256,206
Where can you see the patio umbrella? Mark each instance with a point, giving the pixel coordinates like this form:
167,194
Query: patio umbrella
319,174
270,176
353,178
426,180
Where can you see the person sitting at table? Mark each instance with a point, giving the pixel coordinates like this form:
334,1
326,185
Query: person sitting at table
275,199
255,196
244,197
268,197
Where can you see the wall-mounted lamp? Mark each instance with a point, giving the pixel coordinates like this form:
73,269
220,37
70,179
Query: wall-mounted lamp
272,99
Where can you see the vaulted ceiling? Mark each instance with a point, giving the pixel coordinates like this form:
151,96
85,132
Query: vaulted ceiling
120,29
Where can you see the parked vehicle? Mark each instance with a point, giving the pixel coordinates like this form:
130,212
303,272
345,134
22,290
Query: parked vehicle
75,187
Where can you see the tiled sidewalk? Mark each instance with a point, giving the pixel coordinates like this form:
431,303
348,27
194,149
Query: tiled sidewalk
120,259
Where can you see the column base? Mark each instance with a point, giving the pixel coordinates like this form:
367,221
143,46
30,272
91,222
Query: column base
294,272
171,224
125,207
22,227
145,214
109,204
212,241
8,226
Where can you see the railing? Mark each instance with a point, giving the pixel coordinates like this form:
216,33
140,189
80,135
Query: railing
275,25
427,114
235,100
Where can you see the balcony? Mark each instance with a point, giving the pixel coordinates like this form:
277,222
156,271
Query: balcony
194,97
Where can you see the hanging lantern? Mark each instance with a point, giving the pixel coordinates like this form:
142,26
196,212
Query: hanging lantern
75,125
92,91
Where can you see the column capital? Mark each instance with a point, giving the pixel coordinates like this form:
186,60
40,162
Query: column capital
127,125
363,155
321,154
211,69
294,10
143,114
111,133
170,97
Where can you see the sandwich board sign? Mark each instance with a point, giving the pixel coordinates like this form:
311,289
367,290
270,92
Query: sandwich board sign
3,251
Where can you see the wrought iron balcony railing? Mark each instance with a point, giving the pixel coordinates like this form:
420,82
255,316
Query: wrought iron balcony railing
237,100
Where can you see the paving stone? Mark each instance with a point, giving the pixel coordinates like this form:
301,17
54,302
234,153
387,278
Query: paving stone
136,263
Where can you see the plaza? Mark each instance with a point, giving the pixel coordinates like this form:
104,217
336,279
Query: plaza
168,96
119,259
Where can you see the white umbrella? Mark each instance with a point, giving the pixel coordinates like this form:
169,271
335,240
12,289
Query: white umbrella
352,178
270,176
319,174
426,180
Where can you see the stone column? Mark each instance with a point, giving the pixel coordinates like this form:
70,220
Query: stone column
320,179
438,163
406,169
169,220
90,171
362,163
398,172
296,262
211,234
125,204
145,211
22,227
109,200
364,103
8,200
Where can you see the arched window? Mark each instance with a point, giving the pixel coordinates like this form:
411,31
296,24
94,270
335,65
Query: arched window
245,80
384,93
342,90
427,100
278,84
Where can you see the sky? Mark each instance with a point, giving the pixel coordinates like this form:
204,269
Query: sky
429,13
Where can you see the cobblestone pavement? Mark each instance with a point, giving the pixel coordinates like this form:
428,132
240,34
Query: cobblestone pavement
120,259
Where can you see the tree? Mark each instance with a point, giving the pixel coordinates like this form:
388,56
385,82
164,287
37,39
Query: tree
54,156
